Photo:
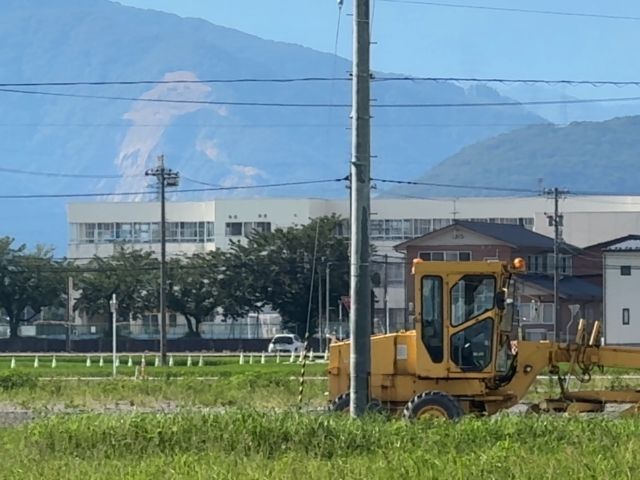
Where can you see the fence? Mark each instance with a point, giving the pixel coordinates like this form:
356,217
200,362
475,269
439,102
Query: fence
256,329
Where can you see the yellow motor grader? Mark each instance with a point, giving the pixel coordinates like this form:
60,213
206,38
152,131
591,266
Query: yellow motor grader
463,357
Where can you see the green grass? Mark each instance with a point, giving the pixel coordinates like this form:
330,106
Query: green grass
221,383
249,389
252,445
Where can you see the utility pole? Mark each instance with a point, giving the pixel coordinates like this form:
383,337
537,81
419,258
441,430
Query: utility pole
556,221
360,173
327,286
69,312
320,307
113,304
166,178
385,293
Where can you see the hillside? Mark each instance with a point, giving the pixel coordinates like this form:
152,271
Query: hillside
583,156
70,40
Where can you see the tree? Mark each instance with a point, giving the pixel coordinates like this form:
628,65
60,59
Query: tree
29,280
133,275
276,268
195,287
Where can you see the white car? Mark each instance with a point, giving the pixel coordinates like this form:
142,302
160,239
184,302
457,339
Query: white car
286,342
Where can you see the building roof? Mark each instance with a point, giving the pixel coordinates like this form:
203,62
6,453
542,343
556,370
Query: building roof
569,287
515,235
632,245
606,244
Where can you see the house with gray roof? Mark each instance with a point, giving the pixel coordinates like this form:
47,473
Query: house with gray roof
621,266
472,241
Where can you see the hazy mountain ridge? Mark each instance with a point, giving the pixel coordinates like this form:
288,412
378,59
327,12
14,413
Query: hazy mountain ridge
65,40
582,156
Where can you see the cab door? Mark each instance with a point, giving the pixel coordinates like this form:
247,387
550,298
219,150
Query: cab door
471,323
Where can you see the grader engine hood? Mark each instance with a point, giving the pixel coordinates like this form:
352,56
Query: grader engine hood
391,354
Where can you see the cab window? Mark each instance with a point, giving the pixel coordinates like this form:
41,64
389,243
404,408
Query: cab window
471,347
432,317
472,296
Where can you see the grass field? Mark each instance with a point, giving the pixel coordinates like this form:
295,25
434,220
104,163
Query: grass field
230,421
251,445
221,382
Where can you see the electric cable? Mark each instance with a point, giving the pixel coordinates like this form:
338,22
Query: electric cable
514,10
325,105
191,190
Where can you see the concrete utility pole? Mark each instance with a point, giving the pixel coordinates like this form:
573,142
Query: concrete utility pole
327,287
69,312
113,304
166,178
385,293
556,221
360,172
320,306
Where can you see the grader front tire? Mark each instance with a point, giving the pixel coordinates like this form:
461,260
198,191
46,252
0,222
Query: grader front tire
429,405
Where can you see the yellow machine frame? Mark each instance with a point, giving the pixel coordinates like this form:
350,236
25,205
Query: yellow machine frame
405,376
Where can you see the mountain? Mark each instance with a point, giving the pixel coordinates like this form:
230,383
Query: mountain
99,40
582,156
573,112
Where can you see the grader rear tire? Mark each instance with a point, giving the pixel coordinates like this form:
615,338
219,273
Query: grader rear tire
342,404
429,405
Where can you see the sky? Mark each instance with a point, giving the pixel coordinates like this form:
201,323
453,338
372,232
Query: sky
439,40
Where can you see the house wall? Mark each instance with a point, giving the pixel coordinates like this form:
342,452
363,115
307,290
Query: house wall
594,221
588,264
621,292
536,312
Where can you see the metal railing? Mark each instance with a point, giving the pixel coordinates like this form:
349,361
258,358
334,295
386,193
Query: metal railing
238,330
208,330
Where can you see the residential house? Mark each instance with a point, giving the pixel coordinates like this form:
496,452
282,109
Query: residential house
621,286
467,241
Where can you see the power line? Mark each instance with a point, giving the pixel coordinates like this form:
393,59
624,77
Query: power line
331,79
199,182
60,174
192,190
514,10
530,81
327,105
172,82
451,185
168,100
212,187
269,125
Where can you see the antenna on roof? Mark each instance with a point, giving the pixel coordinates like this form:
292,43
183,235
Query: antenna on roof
455,212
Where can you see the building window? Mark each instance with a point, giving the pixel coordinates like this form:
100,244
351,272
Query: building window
233,229
209,232
535,334
104,232
547,313
188,231
625,316
536,312
544,263
464,256
256,227
395,273
449,256
625,270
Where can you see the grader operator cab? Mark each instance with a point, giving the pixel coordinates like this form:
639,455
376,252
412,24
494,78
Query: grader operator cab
464,356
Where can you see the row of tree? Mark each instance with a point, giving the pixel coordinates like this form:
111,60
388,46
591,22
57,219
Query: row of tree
268,269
